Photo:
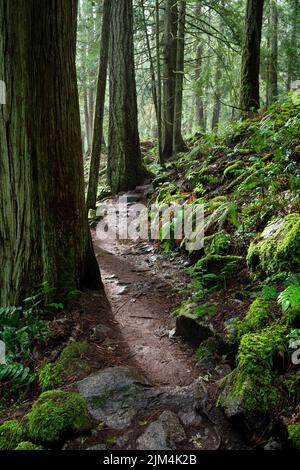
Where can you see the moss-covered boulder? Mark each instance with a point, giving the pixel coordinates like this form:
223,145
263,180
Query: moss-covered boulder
260,313
56,414
70,363
250,389
26,445
277,248
219,268
11,434
294,434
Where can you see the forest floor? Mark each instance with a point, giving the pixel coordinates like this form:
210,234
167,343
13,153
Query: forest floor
155,397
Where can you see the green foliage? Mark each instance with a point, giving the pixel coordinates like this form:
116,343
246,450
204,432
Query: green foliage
236,168
290,298
294,434
11,434
26,445
55,414
217,244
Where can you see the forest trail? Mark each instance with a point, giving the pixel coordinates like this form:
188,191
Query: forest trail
153,397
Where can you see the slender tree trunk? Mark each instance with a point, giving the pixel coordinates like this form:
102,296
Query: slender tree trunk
151,62
217,102
169,79
178,142
200,119
125,170
250,100
99,111
43,228
91,108
159,88
87,120
293,50
272,79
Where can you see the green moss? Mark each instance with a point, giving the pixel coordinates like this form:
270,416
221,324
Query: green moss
234,169
51,375
258,316
55,414
26,445
11,433
252,380
218,268
294,434
277,248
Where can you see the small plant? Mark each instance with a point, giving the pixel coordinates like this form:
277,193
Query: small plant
290,298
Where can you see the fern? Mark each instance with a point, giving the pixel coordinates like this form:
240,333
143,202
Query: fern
17,372
290,298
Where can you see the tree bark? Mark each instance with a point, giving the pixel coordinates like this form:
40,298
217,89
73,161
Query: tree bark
250,99
178,142
44,235
124,169
272,78
159,87
99,111
169,78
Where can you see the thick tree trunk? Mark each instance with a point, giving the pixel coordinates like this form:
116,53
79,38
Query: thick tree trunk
178,142
124,169
44,235
99,111
169,78
272,79
250,99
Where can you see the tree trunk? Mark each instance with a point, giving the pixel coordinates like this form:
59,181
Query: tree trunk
178,142
272,79
43,228
250,100
169,79
99,111
293,51
200,119
124,169
87,121
159,87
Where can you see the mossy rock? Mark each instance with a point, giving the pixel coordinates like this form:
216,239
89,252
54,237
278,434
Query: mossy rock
220,268
52,375
294,434
26,445
250,389
277,248
57,414
260,313
11,434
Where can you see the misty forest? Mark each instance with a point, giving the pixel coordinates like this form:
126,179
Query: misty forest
150,225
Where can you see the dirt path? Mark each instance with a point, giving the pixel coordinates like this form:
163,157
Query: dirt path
140,286
157,384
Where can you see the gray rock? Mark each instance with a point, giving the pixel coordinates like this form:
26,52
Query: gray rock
97,447
162,434
273,444
118,395
193,331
